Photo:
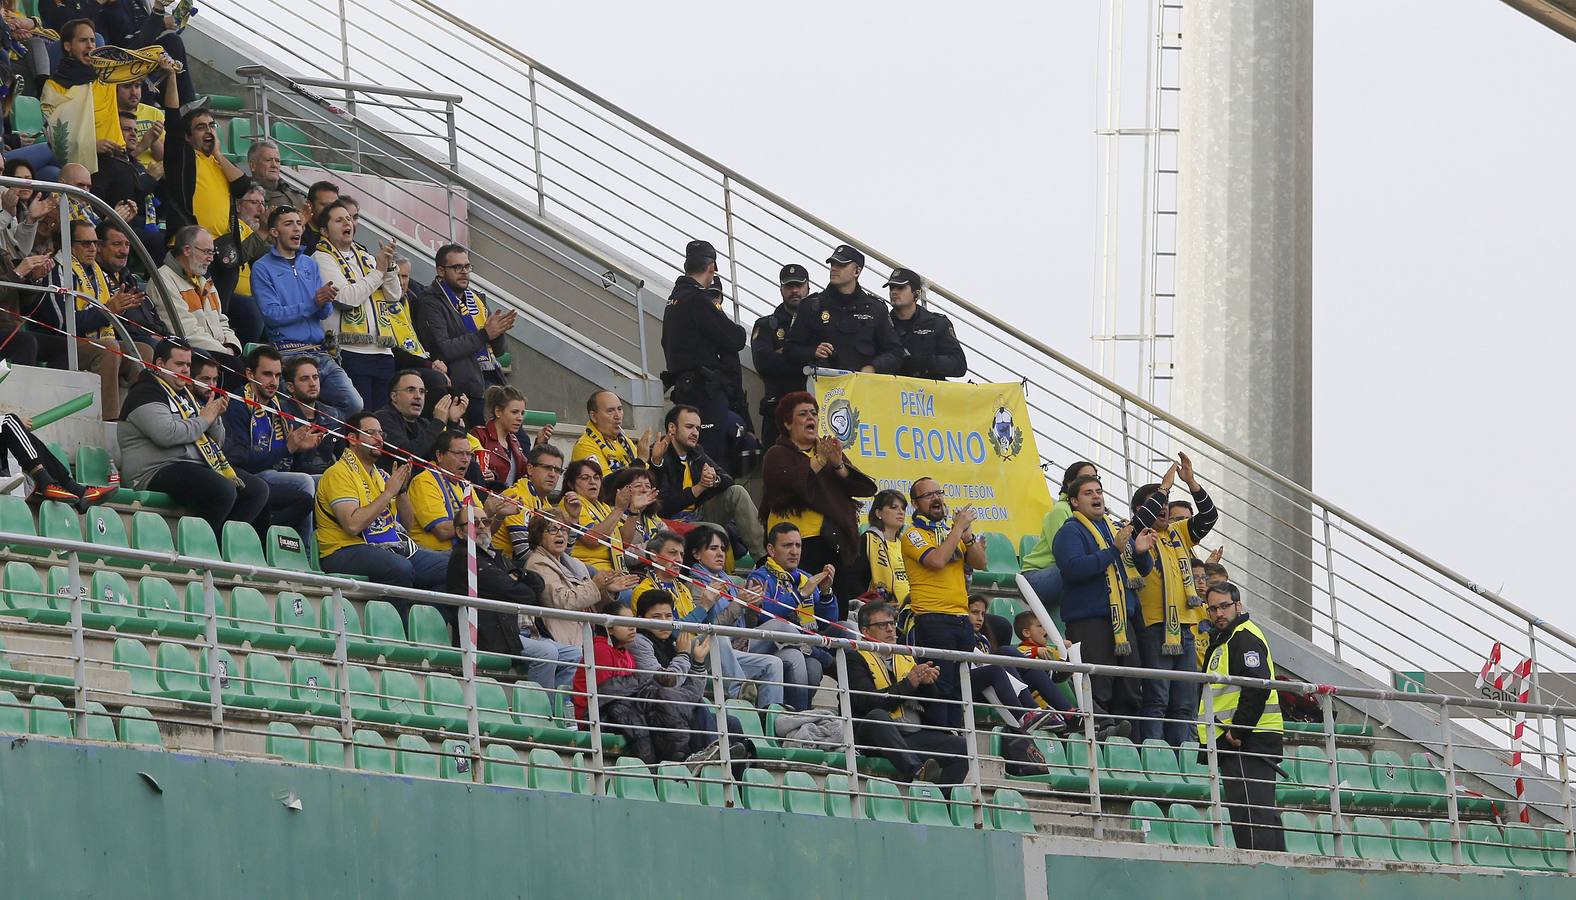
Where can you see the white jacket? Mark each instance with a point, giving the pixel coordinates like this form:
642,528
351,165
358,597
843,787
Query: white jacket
197,308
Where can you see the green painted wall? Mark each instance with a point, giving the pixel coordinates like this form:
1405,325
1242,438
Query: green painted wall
1117,879
79,821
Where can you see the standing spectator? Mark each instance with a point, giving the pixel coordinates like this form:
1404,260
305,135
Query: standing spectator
930,348
456,327
1170,603
169,443
141,318
695,488
295,302
258,439
530,495
935,552
147,141
51,479
884,553
262,158
501,457
372,316
132,23
406,429
123,182
358,521
1101,566
197,311
1039,564
1248,726
318,197
768,339
200,182
604,439
809,482
793,601
845,326
233,256
78,105
884,690
305,405
701,345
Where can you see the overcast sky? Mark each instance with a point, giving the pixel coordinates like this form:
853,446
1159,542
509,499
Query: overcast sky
1443,197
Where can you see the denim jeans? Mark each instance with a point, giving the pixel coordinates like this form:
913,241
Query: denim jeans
944,632
552,663
370,374
338,390
290,498
802,670
1047,584
1177,701
763,668
426,569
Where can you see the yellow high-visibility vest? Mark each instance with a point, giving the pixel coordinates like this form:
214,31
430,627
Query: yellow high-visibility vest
1218,702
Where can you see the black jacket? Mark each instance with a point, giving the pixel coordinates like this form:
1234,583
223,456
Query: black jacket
121,177
143,320
415,438
697,335
328,450
767,341
930,348
863,696
858,327
446,337
1250,703
497,578
669,478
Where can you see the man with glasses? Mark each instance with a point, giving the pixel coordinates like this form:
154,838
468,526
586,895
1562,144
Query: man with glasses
198,311
531,493
442,501
885,688
935,551
1244,722
456,327
406,429
295,302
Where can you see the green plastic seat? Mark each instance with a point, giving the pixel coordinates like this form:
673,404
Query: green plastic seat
503,766
1010,812
1026,544
801,795
445,696
531,702
1485,846
385,629
267,681
98,726
402,700
456,760
93,465
250,620
160,606
675,785
1061,775
365,703
131,657
1006,607
110,605
105,528
414,757
1147,817
27,116
297,618
1430,790
712,785
839,802
1372,840
294,145
328,746
1188,826
631,780
12,677
57,520
47,717
760,791
960,808
233,683
311,684
1357,779
285,741
1165,775
1324,825
1526,849
582,778
927,805
17,518
197,613
373,753
1300,834
431,633
284,549
547,771
356,644
1391,777
1310,784
883,801
13,716
1001,560
194,538
1122,771
24,596
150,532
241,545
178,678
493,716
138,728
1554,848
1413,843
239,133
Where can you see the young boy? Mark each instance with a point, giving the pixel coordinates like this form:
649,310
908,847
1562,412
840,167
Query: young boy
997,687
1034,643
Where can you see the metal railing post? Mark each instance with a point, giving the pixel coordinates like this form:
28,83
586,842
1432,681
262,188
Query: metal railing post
640,325
1212,760
733,263
1536,694
347,728
1560,724
845,708
719,694
1127,453
966,687
1085,692
593,714
1329,574
210,614
1326,710
536,143
454,162
1451,808
79,675
67,283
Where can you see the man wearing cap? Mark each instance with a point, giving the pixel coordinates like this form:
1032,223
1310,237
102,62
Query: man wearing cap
701,345
930,348
767,341
845,326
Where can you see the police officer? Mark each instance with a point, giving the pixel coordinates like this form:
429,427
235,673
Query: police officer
767,341
845,326
701,345
1246,721
930,348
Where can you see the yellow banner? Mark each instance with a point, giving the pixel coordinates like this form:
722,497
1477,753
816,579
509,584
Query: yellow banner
973,438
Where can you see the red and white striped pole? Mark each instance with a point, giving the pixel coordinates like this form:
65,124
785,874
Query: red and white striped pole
1523,673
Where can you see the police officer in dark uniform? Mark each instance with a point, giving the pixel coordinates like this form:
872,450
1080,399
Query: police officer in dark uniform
767,340
701,345
844,326
930,348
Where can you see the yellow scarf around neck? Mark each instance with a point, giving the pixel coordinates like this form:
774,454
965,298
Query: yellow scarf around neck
1117,578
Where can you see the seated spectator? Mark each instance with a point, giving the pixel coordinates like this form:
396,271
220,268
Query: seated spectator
170,443
305,404
937,548
884,552
844,326
405,428
233,255
100,349
567,583
442,502
604,439
794,602
701,345
679,663
501,457
372,317
457,329
263,162
198,311
930,348
295,302
51,479
497,578
694,488
1034,642
21,210
205,378
884,691
18,342
358,523
779,376
623,514
706,551
141,318
532,494
1101,566
809,482
1014,692
259,440
1039,564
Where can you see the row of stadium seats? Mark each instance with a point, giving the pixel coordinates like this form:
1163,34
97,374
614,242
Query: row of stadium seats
46,716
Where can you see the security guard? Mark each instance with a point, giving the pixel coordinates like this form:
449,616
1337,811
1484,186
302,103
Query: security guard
845,326
701,345
767,340
1247,721
930,348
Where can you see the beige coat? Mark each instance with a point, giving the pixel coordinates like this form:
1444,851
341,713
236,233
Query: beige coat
568,586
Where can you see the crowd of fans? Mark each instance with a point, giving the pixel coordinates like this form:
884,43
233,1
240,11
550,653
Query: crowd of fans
297,378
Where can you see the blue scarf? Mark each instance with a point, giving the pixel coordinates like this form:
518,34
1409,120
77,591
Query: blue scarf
469,308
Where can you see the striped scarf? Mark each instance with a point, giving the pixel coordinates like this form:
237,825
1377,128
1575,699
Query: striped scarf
1118,579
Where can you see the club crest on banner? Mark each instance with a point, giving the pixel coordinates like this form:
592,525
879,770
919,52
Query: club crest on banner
1006,438
841,417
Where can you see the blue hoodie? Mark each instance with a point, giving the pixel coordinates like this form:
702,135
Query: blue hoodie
1082,564
285,290
779,599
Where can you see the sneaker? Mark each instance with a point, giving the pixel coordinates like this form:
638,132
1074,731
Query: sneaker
1043,720
929,770
1121,729
93,496
709,753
